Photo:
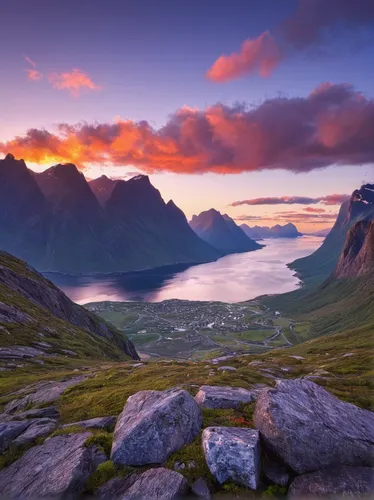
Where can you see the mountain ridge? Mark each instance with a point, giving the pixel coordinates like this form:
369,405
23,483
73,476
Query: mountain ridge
288,230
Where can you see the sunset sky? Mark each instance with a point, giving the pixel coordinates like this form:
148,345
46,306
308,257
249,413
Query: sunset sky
262,110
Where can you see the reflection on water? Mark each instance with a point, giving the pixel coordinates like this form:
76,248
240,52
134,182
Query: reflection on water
231,279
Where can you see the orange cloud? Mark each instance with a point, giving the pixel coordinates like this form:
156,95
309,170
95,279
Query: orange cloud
32,73
280,133
314,210
73,82
257,55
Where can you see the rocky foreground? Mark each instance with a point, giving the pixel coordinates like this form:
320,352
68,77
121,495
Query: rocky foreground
304,441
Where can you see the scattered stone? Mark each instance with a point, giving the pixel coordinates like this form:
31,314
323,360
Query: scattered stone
286,369
160,484
69,352
275,472
224,397
46,393
115,488
57,469
348,355
309,429
9,431
19,352
95,423
339,482
48,412
233,453
215,361
201,490
44,345
297,357
38,427
153,425
255,363
136,365
212,373
227,369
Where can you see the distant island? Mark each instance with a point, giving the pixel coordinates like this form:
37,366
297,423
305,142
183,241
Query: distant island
261,232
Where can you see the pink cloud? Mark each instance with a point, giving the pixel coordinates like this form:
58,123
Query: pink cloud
258,55
73,81
32,73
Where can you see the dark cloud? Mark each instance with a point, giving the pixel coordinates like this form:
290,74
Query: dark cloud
333,125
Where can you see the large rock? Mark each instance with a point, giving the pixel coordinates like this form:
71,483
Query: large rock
57,469
275,472
47,412
211,396
46,392
153,425
106,423
9,431
160,484
233,453
309,429
338,482
38,427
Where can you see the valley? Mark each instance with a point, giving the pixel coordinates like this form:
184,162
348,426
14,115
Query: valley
200,330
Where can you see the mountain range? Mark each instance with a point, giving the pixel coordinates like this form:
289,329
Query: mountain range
221,232
320,264
58,222
260,232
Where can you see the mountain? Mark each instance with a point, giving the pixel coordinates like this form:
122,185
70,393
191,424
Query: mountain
357,257
59,222
322,232
35,314
320,264
260,232
221,232
102,187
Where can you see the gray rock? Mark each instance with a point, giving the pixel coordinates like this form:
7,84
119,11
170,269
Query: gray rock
275,472
115,488
153,425
69,352
9,431
45,393
19,352
57,469
95,423
48,412
300,358
226,369
38,427
233,453
43,345
160,484
200,488
309,429
211,396
344,482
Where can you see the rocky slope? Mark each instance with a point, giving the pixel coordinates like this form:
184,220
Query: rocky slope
319,265
37,319
59,223
260,232
221,232
357,257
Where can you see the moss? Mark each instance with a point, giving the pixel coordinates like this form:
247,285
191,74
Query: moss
73,429
104,472
101,439
275,491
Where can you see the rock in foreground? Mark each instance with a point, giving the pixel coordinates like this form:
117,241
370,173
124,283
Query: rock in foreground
224,397
57,469
233,453
342,481
153,425
160,484
309,429
105,423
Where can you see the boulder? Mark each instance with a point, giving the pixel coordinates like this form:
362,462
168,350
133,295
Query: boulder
95,423
226,369
210,396
309,429
160,484
233,453
153,425
46,392
275,472
48,412
38,427
336,482
57,469
201,490
9,431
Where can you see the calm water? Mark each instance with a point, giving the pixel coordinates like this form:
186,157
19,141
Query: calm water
231,279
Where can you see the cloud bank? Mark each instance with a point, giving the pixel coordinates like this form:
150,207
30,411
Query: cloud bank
331,199
333,125
311,24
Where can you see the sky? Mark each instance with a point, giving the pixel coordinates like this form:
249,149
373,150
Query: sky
262,110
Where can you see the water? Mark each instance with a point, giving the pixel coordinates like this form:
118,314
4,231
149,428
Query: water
233,278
